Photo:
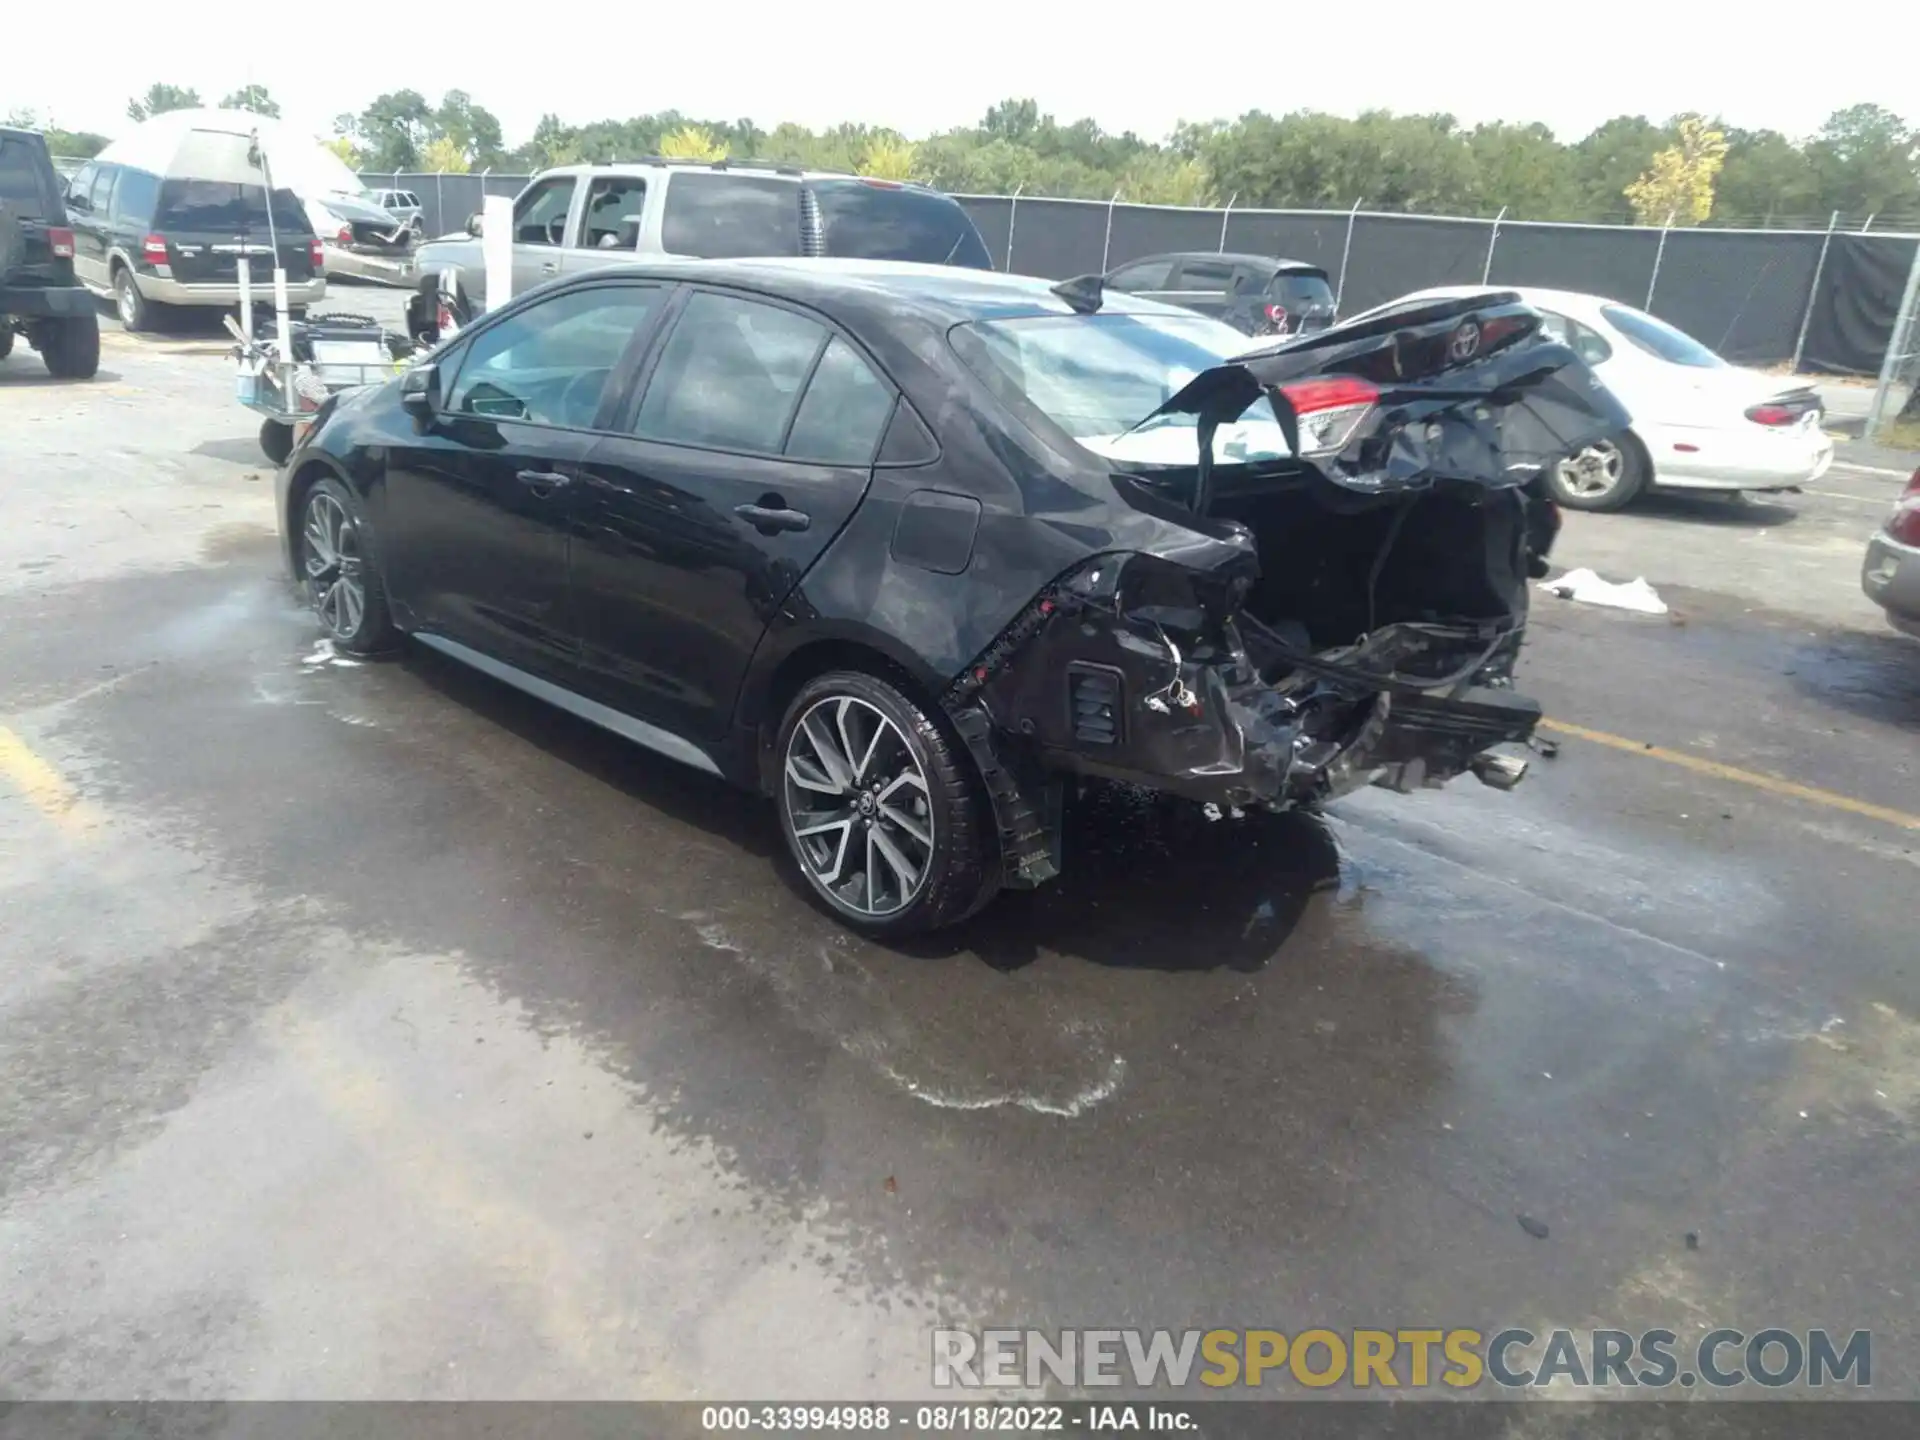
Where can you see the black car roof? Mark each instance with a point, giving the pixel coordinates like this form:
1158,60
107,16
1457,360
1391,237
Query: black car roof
1232,257
948,294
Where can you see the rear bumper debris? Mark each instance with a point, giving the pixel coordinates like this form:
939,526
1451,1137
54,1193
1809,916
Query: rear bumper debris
1105,677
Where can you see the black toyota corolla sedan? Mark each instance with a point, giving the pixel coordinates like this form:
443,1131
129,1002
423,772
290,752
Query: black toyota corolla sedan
906,546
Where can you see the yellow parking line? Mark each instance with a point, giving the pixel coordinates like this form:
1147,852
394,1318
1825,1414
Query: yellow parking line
40,784
1772,784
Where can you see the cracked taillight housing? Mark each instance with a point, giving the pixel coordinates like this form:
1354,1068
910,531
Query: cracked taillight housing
1330,409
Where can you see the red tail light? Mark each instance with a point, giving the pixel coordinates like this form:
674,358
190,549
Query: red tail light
317,252
61,239
1904,524
1773,415
345,237
1330,409
1277,316
153,249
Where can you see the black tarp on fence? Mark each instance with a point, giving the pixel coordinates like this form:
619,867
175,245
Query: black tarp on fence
1746,293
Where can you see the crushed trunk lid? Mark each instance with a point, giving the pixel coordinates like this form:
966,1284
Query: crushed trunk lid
1468,389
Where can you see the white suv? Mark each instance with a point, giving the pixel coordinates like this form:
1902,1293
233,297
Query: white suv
582,217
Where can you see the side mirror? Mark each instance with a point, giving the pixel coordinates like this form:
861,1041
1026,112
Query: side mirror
420,391
473,225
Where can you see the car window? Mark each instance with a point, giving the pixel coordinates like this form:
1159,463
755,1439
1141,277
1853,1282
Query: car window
1205,275
1097,377
1586,342
549,363
20,182
134,199
1147,275
844,411
615,204
729,217
889,222
729,375
226,206
1659,339
540,214
80,186
1302,292
100,195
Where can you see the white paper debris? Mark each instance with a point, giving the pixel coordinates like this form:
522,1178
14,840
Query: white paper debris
1589,588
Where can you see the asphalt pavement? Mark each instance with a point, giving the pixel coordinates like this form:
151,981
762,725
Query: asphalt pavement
370,1031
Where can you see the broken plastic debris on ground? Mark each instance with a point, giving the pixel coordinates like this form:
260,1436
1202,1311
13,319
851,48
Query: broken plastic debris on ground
1585,586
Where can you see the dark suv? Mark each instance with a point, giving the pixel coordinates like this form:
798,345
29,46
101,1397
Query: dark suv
39,297
1256,294
149,241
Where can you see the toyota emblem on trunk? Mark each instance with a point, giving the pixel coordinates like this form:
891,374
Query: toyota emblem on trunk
1464,342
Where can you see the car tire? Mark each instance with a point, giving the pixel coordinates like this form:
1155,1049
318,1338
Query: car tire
337,571
881,809
6,338
70,348
276,441
1608,475
134,309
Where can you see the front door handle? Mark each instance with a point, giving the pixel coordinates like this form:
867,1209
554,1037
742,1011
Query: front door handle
769,519
543,482
551,267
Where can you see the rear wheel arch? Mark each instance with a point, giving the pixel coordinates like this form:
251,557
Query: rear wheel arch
771,686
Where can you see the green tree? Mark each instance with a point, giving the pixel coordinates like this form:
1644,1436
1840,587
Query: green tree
161,98
1611,158
394,129
1677,188
1867,161
1523,169
1767,180
472,131
254,98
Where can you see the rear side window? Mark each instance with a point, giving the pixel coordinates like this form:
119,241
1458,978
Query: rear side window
1302,292
101,195
877,222
134,200
1147,275
730,217
615,204
226,207
21,185
1205,275
844,411
730,374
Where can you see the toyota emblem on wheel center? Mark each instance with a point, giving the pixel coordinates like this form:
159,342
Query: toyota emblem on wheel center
1464,341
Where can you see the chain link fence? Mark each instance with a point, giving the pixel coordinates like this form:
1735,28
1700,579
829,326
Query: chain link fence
1820,301
1896,398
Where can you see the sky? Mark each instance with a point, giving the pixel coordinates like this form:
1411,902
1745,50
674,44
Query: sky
919,70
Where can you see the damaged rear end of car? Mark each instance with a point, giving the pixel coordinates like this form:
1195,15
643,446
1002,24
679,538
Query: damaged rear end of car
1336,536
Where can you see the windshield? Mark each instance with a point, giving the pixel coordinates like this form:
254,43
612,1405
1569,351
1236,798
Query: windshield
1099,376
1660,339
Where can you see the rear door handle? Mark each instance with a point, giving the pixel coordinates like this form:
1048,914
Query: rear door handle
768,519
543,482
552,267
